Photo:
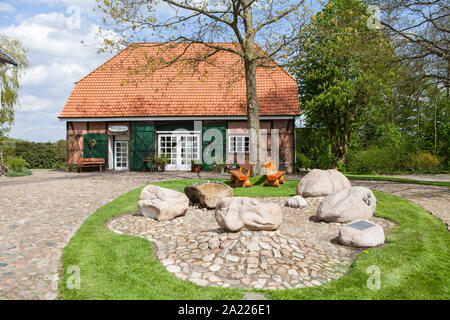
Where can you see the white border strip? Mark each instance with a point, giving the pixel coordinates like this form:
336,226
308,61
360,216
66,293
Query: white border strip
171,118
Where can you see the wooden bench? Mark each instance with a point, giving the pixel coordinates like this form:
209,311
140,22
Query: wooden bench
91,162
273,177
240,177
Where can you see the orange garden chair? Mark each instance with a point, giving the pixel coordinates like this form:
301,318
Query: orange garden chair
273,177
240,177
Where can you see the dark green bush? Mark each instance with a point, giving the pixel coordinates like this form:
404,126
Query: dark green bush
375,160
42,155
303,161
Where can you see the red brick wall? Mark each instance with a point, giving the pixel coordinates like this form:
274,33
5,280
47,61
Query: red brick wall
286,140
75,138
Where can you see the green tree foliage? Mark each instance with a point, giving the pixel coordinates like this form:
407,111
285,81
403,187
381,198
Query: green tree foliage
345,71
10,86
10,80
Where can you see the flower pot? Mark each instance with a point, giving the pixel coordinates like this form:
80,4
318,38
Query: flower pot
196,168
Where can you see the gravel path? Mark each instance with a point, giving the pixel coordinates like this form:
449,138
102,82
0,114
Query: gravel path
40,213
442,177
434,199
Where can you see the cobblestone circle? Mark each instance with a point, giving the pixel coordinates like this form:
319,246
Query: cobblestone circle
302,253
40,213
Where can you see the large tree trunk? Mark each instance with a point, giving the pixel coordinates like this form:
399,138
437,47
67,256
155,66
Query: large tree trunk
253,116
340,149
251,65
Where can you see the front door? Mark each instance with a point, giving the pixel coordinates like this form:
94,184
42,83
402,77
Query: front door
181,148
121,155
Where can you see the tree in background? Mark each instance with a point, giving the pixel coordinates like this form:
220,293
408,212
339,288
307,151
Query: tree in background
422,35
273,23
10,86
345,71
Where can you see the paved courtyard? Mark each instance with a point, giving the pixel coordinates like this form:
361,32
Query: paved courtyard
39,214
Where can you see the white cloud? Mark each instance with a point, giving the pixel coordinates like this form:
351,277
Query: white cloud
6,7
54,73
58,59
33,103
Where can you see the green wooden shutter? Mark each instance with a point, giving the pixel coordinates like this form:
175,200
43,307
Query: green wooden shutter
142,144
100,147
222,126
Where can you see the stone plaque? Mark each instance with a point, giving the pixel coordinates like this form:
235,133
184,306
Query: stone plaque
361,225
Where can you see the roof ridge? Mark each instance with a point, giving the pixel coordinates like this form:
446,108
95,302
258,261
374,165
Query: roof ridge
9,58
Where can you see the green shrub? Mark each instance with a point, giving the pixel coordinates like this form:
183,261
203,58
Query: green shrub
21,173
324,160
422,161
341,167
303,161
42,155
16,164
374,160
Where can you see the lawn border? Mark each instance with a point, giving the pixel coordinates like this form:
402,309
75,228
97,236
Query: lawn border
443,184
331,290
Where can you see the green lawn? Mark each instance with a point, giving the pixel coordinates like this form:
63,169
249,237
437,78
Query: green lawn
414,264
396,179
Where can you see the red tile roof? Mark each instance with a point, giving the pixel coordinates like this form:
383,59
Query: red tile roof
212,88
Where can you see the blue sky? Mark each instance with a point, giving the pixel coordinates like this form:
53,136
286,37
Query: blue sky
52,31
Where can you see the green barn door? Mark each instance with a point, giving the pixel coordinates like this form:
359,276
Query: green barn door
142,144
222,126
99,151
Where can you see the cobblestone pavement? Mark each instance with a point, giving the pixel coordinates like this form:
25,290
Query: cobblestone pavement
302,253
40,213
436,200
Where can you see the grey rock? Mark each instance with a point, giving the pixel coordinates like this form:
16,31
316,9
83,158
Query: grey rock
347,205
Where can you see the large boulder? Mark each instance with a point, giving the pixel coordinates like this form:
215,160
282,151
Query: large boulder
296,202
162,204
208,193
347,205
233,214
320,183
361,233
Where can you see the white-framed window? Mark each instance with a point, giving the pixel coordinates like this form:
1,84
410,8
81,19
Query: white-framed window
182,148
239,144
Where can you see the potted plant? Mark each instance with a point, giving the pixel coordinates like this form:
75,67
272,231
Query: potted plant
162,161
196,167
